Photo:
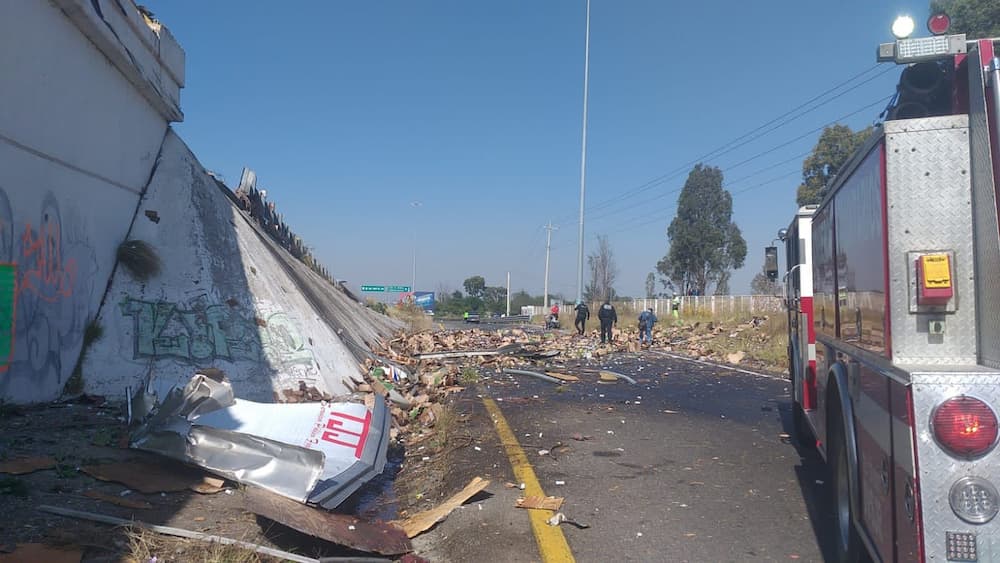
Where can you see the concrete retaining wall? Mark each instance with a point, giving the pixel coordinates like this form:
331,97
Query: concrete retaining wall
224,298
78,140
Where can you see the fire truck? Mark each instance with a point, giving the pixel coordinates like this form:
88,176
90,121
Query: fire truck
893,292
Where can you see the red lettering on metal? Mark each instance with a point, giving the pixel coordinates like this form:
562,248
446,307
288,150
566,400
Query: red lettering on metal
336,431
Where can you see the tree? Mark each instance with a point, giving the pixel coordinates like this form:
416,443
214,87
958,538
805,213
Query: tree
975,18
475,286
722,286
495,298
522,298
650,285
762,285
835,145
705,244
603,272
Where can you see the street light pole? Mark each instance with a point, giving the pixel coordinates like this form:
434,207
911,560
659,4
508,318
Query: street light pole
413,280
583,157
548,244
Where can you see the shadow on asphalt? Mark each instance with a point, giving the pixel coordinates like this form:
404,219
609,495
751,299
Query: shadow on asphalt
814,482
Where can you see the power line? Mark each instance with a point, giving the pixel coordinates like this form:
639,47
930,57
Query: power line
659,214
735,143
761,154
676,190
810,132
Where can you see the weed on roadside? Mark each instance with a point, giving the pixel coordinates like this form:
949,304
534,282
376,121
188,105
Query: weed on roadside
144,545
414,316
13,486
469,376
91,334
8,410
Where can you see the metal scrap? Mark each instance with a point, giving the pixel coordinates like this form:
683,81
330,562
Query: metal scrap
535,374
310,452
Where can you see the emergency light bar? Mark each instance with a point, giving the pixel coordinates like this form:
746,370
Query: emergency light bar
921,48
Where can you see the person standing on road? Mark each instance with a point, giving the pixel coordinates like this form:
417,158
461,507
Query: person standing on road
582,315
608,317
646,321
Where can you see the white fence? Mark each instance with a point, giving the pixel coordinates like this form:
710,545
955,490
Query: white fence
721,305
714,305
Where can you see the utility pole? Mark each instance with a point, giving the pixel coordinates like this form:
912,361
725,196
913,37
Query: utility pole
583,157
508,294
548,245
413,280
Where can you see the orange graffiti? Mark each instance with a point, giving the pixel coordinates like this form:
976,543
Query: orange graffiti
50,277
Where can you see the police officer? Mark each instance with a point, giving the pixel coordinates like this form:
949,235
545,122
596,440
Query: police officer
608,317
582,314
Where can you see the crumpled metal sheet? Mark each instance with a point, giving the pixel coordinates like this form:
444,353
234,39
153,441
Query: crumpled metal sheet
310,452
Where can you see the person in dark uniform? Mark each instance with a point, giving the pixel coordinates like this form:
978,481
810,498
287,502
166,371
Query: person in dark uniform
582,315
608,317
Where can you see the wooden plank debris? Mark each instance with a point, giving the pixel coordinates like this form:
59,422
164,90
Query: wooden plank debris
341,529
118,501
24,465
540,502
423,521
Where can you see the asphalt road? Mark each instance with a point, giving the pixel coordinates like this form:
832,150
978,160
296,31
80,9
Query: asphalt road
691,464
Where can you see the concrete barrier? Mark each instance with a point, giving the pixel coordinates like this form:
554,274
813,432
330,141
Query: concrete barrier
223,298
77,143
89,88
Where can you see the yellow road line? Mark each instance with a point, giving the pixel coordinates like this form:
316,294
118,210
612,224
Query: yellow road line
551,542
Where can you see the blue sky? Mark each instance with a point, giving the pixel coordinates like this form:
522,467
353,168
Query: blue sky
350,110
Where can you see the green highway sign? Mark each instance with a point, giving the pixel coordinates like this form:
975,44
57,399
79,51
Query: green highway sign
373,288
400,288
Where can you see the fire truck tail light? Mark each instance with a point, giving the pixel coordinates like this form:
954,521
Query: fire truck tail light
965,426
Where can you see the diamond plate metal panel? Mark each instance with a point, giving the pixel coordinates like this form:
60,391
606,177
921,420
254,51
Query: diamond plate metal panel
985,225
939,470
930,209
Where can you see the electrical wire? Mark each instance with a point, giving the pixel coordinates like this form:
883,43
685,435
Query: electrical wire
736,143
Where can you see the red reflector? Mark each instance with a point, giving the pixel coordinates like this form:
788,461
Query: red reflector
965,426
938,24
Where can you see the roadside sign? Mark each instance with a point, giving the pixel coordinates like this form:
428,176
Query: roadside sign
373,288
400,288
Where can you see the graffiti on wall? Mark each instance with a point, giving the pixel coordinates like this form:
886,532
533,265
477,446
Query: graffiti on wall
200,331
45,291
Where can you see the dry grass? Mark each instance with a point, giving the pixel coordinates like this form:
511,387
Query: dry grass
415,318
444,428
765,345
144,545
139,258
